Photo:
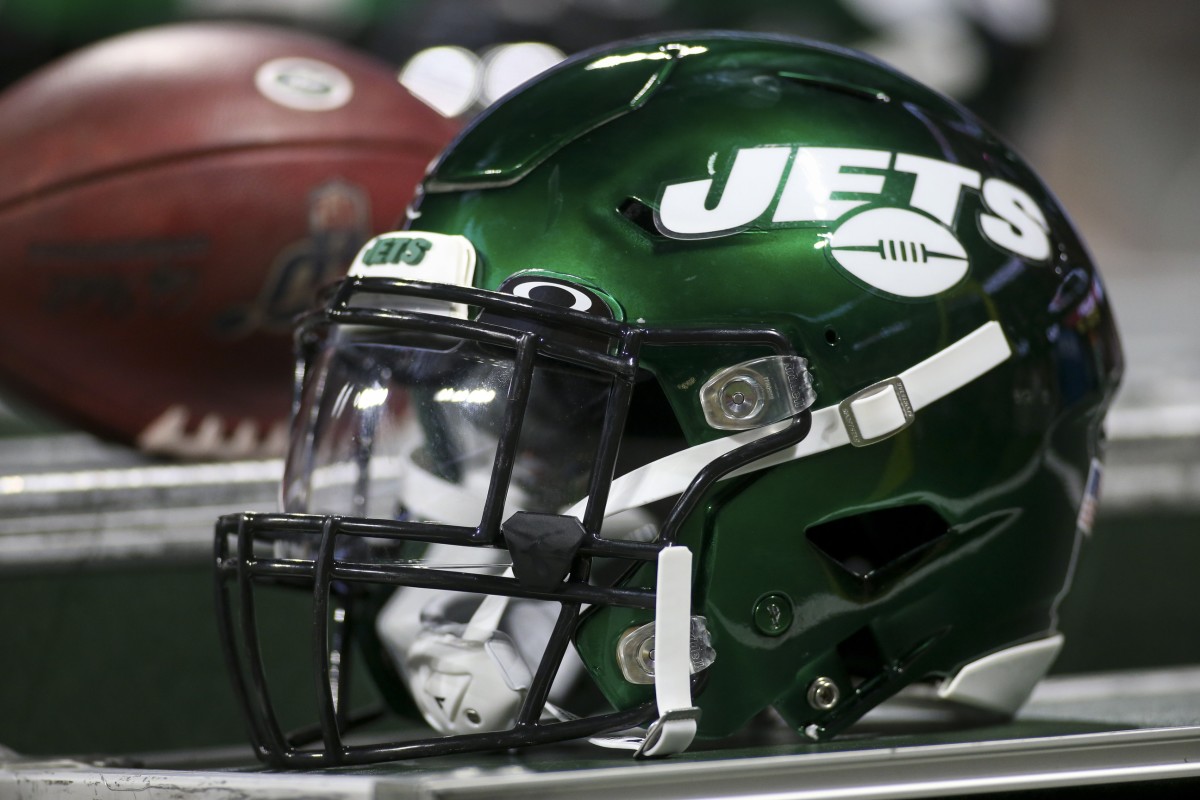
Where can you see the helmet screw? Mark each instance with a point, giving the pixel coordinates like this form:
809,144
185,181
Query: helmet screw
741,397
773,614
645,656
472,716
635,654
823,694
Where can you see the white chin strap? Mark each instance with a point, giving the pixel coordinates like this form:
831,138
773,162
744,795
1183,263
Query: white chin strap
872,414
675,727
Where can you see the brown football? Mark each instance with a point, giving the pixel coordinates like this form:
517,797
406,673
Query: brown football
170,199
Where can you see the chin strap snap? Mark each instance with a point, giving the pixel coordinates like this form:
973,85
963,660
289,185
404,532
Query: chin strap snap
675,727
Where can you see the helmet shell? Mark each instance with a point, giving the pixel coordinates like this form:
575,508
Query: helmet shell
953,538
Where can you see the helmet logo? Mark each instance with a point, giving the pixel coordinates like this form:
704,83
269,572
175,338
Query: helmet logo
562,291
542,287
544,291
909,251
902,252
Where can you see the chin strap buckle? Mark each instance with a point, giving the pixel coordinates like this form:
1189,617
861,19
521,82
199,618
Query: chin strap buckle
877,412
669,734
675,727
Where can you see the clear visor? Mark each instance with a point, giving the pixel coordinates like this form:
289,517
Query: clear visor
399,427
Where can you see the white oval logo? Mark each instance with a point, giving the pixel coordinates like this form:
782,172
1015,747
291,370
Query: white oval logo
899,251
304,84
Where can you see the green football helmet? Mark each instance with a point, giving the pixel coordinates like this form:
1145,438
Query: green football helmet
717,372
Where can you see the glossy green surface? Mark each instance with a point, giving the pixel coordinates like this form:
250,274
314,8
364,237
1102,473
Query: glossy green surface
540,182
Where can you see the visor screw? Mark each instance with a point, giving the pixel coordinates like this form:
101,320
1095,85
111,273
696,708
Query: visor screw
773,614
472,716
823,694
741,397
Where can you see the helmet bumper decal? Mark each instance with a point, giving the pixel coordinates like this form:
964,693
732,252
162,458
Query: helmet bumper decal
419,256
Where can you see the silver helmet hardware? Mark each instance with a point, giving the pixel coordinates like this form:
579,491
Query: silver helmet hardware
823,694
635,651
757,392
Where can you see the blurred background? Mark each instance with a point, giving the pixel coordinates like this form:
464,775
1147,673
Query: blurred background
1103,100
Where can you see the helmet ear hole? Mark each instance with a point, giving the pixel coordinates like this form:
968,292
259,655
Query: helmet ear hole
867,543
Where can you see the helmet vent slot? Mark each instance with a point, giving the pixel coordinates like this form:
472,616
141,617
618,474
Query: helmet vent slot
834,85
640,215
861,654
865,544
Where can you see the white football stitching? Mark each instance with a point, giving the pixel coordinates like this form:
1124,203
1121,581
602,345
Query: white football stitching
876,245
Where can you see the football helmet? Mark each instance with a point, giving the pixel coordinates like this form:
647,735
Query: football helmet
713,374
